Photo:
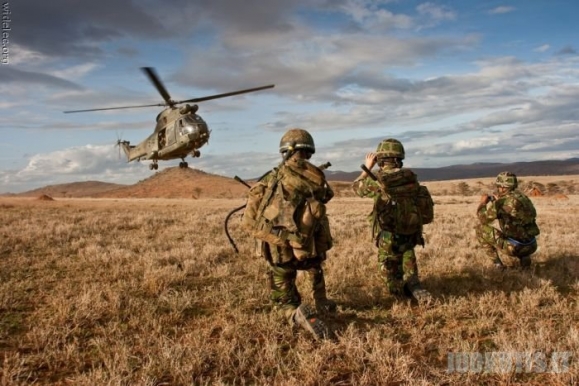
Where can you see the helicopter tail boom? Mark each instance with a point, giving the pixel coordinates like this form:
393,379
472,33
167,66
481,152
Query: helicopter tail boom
126,146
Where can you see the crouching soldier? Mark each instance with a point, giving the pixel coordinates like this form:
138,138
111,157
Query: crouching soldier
516,215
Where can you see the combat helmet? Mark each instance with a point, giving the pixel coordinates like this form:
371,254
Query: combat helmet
390,148
507,180
299,139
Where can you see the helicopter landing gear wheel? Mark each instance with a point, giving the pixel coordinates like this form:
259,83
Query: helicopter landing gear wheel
196,153
153,166
183,165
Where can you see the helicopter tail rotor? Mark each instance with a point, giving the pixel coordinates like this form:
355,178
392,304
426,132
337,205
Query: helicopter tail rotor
126,146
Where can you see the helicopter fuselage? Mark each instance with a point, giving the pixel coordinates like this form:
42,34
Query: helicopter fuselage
179,130
176,136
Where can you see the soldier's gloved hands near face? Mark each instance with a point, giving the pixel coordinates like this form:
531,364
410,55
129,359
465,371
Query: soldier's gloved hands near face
370,160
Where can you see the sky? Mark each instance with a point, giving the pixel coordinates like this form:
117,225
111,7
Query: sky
458,82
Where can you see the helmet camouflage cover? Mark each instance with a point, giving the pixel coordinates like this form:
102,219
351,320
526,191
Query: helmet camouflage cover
390,148
507,180
298,139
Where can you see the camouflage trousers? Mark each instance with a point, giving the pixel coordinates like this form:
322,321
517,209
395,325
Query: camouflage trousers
282,282
397,262
494,241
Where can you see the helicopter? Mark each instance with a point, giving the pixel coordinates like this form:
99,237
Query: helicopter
179,130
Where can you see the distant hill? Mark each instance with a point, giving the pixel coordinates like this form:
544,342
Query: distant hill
480,170
168,183
179,183
193,183
73,189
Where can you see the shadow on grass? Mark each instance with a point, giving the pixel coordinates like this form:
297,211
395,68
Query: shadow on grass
366,307
561,270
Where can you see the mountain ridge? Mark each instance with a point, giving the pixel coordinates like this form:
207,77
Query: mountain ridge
174,182
481,170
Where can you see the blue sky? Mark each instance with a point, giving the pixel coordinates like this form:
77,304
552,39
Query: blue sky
457,82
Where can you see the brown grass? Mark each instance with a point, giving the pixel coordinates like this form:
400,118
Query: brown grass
148,292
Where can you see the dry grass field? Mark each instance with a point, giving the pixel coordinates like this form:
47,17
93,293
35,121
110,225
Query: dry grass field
149,292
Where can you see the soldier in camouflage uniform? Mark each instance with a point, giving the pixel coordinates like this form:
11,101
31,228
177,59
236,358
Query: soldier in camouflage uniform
296,147
396,257
516,215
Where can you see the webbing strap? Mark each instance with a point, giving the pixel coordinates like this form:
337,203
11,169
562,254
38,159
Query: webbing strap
521,244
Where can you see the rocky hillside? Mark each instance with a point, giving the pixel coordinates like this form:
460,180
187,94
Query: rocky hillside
180,183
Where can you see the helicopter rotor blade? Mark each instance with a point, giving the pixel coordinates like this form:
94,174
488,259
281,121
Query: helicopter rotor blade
154,78
202,99
113,108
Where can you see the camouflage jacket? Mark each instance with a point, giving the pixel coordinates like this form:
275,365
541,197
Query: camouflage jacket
396,210
367,187
516,215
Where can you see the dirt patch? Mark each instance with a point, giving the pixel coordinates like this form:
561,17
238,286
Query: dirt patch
45,197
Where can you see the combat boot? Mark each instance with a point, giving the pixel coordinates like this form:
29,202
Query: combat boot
498,264
421,295
325,305
305,317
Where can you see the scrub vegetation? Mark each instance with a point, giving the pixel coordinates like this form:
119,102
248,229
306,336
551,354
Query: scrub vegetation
149,292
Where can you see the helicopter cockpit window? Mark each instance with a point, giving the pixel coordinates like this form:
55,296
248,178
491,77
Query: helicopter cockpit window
187,125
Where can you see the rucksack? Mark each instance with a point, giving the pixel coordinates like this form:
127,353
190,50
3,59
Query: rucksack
288,209
523,223
406,206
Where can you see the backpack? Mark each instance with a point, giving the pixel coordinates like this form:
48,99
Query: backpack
288,209
521,225
406,206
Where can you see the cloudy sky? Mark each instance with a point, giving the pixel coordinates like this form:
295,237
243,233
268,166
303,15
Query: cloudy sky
458,82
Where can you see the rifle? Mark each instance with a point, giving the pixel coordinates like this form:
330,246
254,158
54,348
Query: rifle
380,183
288,154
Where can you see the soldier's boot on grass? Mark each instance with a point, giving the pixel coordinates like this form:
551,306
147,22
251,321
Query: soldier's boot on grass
414,289
325,305
305,317
498,265
494,255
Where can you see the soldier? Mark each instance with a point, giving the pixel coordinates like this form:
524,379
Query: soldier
516,215
286,212
401,207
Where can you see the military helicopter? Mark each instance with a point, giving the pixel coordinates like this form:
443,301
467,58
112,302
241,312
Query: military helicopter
179,130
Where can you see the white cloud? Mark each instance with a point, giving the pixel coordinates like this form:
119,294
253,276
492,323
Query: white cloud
82,163
542,48
501,10
74,72
435,13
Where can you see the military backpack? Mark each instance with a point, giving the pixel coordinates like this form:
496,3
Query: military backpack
288,209
406,206
520,221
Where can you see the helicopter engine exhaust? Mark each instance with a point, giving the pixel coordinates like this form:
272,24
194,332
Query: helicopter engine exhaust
188,109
